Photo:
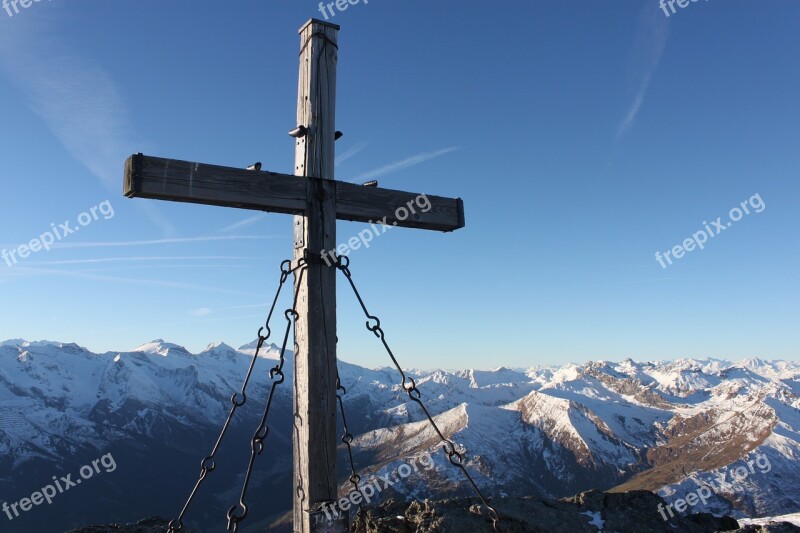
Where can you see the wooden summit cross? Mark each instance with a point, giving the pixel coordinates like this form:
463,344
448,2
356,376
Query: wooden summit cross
317,201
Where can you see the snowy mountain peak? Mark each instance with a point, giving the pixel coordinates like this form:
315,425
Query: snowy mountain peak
159,347
217,346
499,377
13,342
22,343
268,350
220,350
554,431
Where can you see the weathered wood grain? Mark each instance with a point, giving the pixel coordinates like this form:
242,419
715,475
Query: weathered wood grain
314,434
200,183
184,181
402,209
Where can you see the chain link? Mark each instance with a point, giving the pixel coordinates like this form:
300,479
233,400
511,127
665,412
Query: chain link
239,511
208,464
373,324
347,437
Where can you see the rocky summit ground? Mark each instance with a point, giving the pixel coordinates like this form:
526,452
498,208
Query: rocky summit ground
149,525
590,512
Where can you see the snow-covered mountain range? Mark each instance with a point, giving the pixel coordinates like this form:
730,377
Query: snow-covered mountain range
670,427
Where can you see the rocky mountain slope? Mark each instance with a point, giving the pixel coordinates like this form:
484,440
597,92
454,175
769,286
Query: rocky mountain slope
677,428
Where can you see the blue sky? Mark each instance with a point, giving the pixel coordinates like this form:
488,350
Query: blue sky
582,136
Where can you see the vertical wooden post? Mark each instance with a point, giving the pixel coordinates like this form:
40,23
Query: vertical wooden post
315,330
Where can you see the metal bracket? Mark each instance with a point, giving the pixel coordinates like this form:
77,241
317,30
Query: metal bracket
299,234
319,258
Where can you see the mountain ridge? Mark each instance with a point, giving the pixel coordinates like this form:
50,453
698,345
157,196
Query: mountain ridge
664,426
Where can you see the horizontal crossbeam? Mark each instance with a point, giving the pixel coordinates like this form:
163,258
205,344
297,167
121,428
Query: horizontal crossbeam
199,183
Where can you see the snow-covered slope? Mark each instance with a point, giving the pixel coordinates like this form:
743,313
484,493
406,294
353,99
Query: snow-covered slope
664,426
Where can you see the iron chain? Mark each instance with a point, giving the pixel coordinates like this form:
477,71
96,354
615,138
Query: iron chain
347,437
208,464
239,511
373,324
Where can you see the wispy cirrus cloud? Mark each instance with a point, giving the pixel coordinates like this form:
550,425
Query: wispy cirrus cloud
135,259
177,240
402,164
652,33
202,312
146,282
181,322
77,99
347,154
238,307
242,223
